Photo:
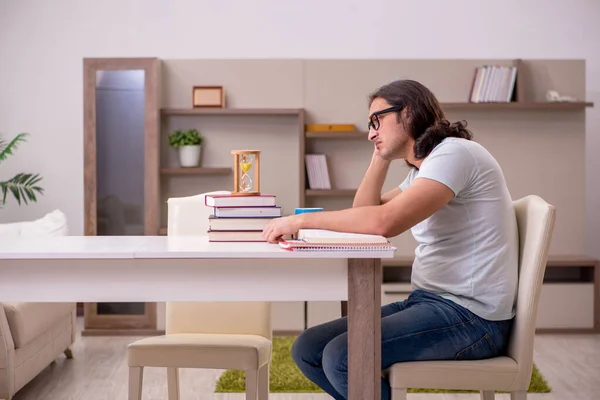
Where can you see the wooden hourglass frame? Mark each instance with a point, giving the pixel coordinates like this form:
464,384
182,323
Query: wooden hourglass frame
243,162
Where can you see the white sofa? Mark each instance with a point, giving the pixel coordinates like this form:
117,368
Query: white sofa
33,335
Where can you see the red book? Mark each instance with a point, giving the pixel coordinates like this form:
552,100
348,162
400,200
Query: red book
225,200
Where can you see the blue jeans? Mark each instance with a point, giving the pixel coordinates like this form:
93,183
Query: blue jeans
423,327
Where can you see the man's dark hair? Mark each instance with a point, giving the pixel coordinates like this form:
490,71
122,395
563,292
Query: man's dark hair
425,121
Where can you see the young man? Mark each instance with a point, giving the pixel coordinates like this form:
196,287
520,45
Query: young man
457,205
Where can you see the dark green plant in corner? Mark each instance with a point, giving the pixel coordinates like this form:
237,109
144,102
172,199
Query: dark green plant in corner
181,138
23,186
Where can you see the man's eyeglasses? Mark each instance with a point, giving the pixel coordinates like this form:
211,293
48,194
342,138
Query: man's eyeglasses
374,118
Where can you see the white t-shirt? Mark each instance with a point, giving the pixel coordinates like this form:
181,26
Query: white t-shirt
468,250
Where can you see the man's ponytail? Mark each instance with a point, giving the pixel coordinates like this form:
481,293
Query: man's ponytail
438,132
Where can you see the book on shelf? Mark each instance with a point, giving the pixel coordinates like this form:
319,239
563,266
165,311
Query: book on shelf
493,84
328,240
317,171
330,128
240,218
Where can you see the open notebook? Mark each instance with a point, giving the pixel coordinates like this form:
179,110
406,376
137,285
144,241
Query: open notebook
326,240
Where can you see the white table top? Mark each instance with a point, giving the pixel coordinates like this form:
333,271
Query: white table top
144,247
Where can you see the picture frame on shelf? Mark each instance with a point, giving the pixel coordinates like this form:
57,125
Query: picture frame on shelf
208,96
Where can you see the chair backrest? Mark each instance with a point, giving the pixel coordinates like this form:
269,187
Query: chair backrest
535,220
188,216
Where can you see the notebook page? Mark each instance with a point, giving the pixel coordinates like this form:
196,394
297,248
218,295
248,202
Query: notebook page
331,237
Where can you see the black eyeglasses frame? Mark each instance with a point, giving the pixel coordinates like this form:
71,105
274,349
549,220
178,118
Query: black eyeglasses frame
374,118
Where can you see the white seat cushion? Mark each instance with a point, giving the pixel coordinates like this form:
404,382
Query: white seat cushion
491,374
200,350
29,320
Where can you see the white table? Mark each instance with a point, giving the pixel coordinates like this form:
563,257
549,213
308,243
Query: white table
162,268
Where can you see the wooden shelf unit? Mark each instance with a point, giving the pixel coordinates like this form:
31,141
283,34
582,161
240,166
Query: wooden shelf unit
319,88
573,273
523,100
194,116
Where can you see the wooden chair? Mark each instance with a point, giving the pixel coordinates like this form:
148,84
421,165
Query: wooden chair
511,373
215,335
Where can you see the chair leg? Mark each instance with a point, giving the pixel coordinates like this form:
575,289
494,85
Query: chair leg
252,384
487,395
399,394
263,382
173,383
520,395
136,375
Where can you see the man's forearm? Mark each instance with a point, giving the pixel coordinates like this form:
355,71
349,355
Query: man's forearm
369,190
369,219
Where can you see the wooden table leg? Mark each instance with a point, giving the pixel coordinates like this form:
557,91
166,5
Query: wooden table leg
364,329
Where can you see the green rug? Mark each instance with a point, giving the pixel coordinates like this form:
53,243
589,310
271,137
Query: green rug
285,377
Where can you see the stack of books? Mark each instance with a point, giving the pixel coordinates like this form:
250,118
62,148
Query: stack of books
240,218
493,84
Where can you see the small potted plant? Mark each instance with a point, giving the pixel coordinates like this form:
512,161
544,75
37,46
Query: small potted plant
189,144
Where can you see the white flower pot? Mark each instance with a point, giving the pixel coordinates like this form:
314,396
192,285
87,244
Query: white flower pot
189,156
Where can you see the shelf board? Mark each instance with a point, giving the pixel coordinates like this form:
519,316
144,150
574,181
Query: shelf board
580,105
574,260
336,135
330,192
196,171
232,111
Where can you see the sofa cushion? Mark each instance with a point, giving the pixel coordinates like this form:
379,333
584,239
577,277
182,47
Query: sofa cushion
28,320
52,224
11,229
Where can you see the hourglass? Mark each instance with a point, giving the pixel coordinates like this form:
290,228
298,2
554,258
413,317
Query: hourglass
246,176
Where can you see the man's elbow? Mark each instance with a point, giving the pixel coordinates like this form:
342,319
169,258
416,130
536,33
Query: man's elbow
386,225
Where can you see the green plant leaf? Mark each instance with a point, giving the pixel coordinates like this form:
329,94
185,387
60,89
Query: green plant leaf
23,188
7,149
189,137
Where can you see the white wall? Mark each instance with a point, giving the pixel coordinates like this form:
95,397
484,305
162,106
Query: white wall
42,45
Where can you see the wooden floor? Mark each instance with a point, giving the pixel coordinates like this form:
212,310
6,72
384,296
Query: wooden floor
571,363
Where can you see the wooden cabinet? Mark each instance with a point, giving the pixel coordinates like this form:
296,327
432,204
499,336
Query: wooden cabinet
120,319
120,172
